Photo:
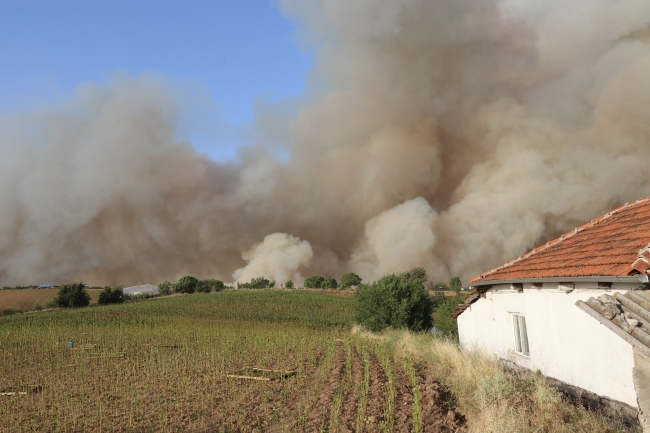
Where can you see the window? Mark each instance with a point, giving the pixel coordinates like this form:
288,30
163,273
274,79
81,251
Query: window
521,336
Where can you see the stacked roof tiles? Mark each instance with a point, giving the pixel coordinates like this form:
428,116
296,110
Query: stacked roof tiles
626,315
616,244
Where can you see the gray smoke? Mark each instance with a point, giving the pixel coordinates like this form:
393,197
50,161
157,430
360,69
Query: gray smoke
449,134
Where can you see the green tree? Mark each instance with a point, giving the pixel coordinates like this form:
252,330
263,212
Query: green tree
271,284
259,283
329,283
396,302
443,307
288,285
455,284
186,285
350,279
72,295
314,282
416,274
111,296
166,288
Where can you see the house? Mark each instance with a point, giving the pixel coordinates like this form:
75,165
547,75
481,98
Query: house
576,309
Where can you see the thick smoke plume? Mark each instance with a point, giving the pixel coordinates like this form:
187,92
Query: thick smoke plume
450,134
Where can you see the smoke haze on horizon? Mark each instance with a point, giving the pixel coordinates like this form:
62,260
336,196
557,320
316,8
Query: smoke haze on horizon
453,135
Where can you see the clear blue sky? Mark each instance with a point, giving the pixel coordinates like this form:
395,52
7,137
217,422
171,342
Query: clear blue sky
239,50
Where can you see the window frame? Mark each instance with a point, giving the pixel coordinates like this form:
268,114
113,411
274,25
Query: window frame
520,342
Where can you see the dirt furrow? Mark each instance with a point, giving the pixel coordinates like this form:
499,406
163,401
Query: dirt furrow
319,412
376,395
403,399
350,400
438,406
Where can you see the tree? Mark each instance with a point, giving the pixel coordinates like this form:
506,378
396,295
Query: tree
396,302
314,282
111,296
259,283
166,288
443,307
288,285
72,295
330,283
210,285
186,285
350,279
271,284
416,274
455,284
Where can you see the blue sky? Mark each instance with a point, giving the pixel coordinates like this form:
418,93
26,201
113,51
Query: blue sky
236,51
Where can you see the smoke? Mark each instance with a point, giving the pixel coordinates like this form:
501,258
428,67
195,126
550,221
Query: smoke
279,257
448,134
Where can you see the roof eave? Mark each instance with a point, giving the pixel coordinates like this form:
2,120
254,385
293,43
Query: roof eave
641,278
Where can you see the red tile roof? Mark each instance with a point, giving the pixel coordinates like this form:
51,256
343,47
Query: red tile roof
615,244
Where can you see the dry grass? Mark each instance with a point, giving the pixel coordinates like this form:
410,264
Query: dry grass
25,299
494,400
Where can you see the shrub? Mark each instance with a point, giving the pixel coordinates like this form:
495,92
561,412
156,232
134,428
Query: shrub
186,285
416,274
443,306
259,283
455,284
109,296
288,285
330,283
10,311
50,304
314,282
166,288
271,284
394,301
72,295
350,279
209,285
38,307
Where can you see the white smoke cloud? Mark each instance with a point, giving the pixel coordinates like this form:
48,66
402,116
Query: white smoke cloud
484,126
398,239
279,257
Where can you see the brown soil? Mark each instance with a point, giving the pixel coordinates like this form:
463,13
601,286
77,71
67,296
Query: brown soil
25,299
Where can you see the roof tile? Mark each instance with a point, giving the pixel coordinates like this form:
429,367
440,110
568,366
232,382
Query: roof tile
606,246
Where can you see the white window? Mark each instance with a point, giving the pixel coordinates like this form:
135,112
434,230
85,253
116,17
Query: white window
521,336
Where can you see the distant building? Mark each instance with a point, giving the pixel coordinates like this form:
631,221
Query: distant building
576,309
44,286
145,289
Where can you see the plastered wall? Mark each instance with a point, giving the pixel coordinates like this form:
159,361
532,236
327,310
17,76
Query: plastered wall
565,343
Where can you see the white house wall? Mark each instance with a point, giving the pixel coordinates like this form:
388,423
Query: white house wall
564,342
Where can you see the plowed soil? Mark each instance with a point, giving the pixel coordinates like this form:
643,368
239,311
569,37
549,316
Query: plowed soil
310,406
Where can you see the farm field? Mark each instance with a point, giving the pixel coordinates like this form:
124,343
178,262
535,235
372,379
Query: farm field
25,299
171,365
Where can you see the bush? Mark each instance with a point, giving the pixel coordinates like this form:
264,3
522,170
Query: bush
108,296
314,282
38,307
350,279
455,284
288,285
396,302
416,274
210,285
186,285
443,306
256,283
330,283
50,304
271,284
72,295
166,288
10,311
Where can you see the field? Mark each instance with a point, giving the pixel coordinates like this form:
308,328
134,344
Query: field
25,299
171,365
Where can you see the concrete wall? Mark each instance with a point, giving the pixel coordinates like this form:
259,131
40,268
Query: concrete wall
565,343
